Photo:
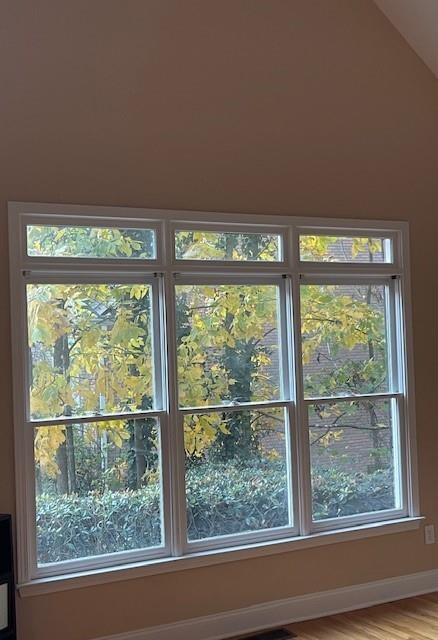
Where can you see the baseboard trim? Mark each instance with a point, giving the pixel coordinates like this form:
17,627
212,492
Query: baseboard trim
281,612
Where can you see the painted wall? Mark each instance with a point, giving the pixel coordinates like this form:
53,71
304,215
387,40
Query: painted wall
280,106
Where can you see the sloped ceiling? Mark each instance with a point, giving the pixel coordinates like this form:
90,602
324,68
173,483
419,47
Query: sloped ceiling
417,21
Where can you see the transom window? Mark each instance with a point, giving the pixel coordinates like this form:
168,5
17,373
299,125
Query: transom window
197,382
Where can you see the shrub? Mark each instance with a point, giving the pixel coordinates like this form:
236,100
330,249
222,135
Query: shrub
223,499
338,493
80,526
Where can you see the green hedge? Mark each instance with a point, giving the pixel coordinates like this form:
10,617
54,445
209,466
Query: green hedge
223,500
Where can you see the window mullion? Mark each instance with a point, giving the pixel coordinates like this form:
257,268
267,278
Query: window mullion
160,396
288,393
400,448
406,406
302,434
24,441
178,533
29,488
158,345
396,383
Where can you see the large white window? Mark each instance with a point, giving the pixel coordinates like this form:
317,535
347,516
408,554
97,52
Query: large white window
197,382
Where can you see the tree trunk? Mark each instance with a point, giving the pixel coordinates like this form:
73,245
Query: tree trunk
66,480
375,435
62,477
139,444
71,461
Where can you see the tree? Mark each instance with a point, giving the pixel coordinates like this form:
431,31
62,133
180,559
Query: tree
344,333
90,347
91,351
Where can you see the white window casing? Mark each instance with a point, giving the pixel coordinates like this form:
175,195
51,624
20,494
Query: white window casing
162,273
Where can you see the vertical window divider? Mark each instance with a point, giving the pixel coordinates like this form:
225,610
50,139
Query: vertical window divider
302,434
161,392
403,322
399,445
395,385
288,384
26,447
395,364
178,529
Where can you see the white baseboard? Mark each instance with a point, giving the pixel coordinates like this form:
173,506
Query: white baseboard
282,612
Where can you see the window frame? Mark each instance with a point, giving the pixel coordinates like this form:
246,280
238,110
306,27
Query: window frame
394,394
286,402
227,227
291,271
391,237
158,412
86,262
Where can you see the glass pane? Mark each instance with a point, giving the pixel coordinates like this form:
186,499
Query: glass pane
227,339
236,472
90,349
98,489
352,457
90,242
344,249
344,339
224,245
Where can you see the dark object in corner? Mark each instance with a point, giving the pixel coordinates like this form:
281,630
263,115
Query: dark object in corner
7,583
275,634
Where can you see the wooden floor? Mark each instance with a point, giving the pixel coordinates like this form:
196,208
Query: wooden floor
412,619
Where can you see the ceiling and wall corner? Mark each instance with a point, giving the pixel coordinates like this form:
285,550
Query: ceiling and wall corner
417,21
298,107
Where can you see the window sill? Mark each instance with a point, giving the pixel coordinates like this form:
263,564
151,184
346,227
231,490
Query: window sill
137,570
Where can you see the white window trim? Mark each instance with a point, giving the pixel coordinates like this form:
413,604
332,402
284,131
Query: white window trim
208,558
247,545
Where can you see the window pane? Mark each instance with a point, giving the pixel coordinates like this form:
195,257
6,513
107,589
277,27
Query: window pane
90,242
98,489
224,245
236,472
344,249
352,457
90,349
227,338
344,339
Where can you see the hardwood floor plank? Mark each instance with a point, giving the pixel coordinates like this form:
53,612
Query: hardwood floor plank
411,619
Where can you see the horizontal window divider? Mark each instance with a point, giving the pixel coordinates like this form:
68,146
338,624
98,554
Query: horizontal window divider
103,270
110,561
354,228
231,277
226,408
302,224
227,265
49,422
319,273
238,539
359,396
357,520
86,276
228,227
93,220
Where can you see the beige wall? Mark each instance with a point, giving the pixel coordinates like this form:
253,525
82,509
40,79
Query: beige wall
277,106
